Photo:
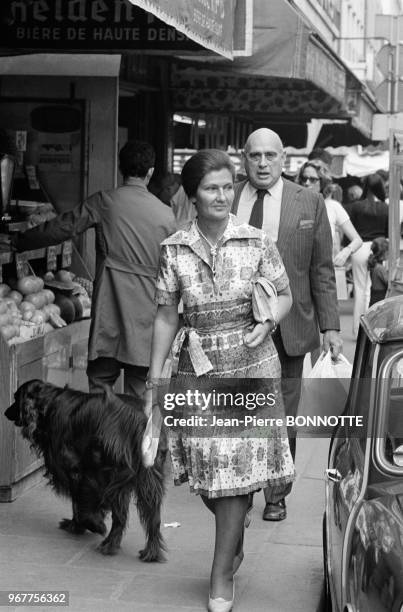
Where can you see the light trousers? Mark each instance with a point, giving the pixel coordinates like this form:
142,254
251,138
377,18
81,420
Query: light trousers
362,283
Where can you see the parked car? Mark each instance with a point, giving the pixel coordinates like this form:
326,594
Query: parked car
363,520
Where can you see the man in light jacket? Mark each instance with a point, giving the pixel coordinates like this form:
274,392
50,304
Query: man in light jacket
130,223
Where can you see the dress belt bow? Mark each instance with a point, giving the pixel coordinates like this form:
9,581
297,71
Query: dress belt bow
200,362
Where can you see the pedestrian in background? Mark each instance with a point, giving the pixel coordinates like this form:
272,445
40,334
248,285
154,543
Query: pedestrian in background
165,186
354,193
130,223
211,265
377,266
295,218
315,175
334,192
182,207
322,154
370,218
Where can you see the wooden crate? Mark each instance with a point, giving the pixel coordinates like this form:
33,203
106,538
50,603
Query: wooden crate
58,357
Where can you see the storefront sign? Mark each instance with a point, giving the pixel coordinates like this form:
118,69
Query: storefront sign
51,258
67,250
208,22
21,265
103,25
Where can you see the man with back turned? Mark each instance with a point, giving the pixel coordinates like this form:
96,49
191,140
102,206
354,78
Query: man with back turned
130,223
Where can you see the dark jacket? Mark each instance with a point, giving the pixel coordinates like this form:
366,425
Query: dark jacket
305,245
370,219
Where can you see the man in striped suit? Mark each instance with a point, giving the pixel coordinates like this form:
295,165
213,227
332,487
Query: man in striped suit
296,219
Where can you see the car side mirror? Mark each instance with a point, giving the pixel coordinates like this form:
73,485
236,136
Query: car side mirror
398,456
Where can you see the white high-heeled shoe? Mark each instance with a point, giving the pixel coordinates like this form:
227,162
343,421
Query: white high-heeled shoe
219,604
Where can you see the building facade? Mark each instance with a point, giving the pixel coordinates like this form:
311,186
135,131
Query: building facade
348,26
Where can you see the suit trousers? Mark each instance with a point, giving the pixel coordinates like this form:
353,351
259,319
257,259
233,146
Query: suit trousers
291,379
106,370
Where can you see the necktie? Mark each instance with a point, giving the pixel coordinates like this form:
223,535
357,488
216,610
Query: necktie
256,216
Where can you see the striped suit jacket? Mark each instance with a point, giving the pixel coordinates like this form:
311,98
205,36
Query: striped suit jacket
305,245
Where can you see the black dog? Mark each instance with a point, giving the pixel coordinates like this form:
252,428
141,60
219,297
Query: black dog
91,445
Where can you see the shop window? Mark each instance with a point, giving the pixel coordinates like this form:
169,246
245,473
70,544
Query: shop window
360,392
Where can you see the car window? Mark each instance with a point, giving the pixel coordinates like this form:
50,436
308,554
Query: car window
390,444
360,390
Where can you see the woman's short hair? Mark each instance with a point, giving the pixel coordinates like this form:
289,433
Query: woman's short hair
136,158
323,170
374,184
200,164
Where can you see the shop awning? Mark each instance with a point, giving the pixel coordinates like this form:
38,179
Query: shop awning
61,64
113,26
338,135
284,46
210,24
291,75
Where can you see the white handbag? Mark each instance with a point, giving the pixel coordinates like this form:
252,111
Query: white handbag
264,300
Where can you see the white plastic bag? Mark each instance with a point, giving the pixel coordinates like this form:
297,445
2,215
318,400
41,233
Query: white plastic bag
151,437
325,367
152,432
324,392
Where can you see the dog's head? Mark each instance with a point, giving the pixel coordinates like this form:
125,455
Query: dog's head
30,403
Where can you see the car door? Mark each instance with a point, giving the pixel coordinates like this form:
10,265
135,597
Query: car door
375,570
347,471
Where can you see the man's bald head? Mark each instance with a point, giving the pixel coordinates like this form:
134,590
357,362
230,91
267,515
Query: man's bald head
266,136
263,158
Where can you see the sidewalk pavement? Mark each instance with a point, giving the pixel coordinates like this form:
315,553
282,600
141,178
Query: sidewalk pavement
282,569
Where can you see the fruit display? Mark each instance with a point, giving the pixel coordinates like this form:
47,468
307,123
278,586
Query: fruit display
86,284
30,308
25,310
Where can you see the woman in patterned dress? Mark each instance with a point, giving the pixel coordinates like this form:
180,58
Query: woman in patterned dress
211,265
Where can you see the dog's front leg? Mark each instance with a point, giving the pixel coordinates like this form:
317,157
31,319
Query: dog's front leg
87,513
72,525
120,513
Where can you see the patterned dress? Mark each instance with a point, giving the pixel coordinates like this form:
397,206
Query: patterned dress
217,312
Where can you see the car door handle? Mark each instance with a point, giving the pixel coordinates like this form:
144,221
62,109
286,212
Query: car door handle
333,475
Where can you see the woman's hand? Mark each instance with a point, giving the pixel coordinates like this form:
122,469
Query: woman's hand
258,334
342,256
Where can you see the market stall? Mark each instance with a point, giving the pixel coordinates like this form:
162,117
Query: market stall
58,137
44,335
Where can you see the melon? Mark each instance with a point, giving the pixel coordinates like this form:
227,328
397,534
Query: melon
67,308
78,306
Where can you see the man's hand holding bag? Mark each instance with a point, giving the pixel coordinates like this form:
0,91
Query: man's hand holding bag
324,392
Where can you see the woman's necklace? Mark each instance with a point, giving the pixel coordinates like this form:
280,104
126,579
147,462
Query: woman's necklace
213,248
